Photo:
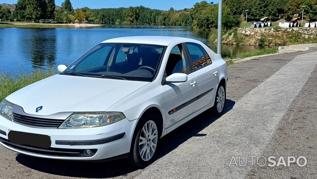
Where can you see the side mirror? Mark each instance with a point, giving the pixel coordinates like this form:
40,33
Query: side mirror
61,68
177,78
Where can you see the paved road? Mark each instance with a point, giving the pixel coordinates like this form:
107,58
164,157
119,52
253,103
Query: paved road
296,135
271,111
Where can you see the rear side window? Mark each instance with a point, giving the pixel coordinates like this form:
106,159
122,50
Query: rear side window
198,55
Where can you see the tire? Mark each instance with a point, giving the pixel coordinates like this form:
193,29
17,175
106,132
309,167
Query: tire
220,100
144,154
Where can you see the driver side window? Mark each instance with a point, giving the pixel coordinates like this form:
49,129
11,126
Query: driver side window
176,62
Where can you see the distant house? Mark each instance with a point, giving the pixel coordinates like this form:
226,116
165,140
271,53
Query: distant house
264,22
284,24
295,22
311,25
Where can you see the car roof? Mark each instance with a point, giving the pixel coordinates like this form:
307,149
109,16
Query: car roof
152,40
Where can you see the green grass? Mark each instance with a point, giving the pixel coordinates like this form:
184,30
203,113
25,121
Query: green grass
257,52
245,24
9,85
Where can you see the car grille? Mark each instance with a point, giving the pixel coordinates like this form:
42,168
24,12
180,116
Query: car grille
37,122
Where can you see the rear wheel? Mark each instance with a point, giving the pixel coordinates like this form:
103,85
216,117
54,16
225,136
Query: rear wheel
220,100
145,143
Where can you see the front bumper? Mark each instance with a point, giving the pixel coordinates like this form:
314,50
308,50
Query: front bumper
73,144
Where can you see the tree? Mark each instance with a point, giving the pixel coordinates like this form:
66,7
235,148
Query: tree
50,10
66,12
67,6
229,20
80,15
30,10
5,13
133,15
235,6
19,12
257,9
59,17
43,8
89,15
33,11
274,9
310,8
293,7
204,15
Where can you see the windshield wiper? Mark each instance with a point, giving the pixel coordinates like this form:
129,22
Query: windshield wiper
95,75
113,77
79,74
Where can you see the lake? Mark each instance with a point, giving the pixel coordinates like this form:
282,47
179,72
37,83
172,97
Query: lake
23,51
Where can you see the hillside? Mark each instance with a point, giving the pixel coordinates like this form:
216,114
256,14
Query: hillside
9,6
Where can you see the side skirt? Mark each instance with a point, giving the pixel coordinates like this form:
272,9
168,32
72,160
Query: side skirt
186,119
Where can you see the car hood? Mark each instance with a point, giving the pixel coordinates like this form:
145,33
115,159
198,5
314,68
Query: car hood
62,93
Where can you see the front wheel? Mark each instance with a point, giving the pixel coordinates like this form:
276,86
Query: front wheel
220,100
145,143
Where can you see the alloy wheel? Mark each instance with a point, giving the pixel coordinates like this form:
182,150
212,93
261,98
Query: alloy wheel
221,99
147,141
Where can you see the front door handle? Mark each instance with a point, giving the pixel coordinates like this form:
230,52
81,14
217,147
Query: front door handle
193,84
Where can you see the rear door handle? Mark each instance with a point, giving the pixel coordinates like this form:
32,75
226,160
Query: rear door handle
216,73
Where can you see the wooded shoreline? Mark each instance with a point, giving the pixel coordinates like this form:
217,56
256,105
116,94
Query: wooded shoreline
46,25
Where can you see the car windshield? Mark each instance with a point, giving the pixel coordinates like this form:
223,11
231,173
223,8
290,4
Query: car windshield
119,61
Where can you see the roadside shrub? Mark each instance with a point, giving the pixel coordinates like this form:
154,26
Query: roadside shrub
261,43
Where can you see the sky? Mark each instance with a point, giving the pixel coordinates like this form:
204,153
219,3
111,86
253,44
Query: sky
155,4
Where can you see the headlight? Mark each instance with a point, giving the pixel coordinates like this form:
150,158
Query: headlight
89,120
6,110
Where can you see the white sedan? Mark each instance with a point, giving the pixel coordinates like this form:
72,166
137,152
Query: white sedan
119,99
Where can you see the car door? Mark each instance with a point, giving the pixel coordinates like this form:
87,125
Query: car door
204,73
177,98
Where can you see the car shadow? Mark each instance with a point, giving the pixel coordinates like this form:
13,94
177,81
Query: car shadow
122,167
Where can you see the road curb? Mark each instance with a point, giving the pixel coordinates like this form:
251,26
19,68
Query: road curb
281,50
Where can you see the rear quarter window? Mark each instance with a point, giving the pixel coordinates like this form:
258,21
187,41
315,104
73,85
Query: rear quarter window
198,55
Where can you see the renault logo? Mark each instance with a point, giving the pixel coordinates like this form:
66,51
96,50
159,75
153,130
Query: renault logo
39,108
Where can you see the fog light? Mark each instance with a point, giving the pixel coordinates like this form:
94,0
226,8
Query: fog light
3,132
89,152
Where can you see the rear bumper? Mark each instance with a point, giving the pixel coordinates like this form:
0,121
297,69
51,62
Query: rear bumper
73,144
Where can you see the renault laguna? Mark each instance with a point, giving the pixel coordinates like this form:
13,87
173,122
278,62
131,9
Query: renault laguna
119,99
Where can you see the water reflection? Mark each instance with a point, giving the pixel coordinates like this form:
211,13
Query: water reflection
43,48
25,50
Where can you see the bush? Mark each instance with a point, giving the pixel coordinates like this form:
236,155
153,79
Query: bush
261,43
